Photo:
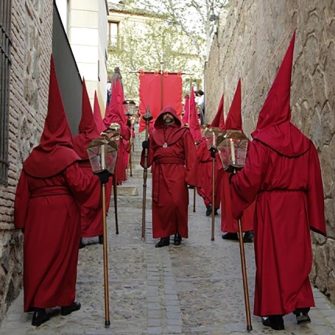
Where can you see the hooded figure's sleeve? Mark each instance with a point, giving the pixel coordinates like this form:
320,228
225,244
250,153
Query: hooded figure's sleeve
150,155
246,183
21,203
83,186
315,194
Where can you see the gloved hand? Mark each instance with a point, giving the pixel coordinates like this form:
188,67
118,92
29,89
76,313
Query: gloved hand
190,187
104,176
231,169
145,144
213,151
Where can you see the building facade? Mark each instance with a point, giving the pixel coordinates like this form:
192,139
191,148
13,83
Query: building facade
250,45
30,32
85,23
28,28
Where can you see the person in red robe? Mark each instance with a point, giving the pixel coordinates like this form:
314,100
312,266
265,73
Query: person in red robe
205,178
172,155
90,217
229,225
115,114
206,165
282,173
50,186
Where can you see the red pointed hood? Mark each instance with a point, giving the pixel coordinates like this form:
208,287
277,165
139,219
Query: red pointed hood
167,134
274,127
276,108
97,115
218,120
115,111
186,115
234,117
87,127
159,123
55,150
194,120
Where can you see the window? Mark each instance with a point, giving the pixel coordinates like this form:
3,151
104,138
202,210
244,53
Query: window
113,34
5,16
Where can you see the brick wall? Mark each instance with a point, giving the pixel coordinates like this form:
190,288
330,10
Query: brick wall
31,31
250,46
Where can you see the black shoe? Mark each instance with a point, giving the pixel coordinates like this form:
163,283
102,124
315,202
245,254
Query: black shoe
40,316
66,310
248,237
276,322
216,211
177,239
163,242
81,244
101,239
302,315
209,210
230,236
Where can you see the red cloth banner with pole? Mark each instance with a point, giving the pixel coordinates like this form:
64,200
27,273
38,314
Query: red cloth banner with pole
159,90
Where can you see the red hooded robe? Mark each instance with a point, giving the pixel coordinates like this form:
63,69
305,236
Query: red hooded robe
90,216
282,173
172,155
228,222
205,165
115,113
45,208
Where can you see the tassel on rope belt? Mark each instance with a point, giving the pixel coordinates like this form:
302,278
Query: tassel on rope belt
48,191
158,163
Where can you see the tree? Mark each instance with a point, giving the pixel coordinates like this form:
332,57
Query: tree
194,17
170,34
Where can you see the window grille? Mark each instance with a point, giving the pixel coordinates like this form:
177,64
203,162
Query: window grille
5,43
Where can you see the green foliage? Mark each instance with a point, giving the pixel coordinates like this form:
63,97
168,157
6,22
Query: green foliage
166,34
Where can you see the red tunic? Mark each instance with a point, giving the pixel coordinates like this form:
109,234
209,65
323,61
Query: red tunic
49,214
205,176
173,167
282,173
91,217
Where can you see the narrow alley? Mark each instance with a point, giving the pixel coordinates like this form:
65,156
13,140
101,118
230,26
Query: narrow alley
195,288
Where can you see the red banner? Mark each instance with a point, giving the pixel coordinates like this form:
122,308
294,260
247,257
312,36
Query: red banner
159,90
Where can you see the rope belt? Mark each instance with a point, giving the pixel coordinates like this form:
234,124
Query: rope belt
48,191
169,160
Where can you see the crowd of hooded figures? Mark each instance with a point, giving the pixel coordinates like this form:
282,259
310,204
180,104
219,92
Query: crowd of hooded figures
277,196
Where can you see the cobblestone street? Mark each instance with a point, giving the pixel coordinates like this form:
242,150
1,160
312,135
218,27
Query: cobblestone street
195,288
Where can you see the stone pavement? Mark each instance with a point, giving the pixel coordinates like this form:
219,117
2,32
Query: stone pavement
195,288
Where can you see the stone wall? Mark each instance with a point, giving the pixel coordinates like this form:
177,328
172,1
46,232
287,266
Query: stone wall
250,46
31,31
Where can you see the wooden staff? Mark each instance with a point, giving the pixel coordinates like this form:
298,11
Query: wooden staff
115,205
244,275
194,199
146,117
105,256
130,159
213,198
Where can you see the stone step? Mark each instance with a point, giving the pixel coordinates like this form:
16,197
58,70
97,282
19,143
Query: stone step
127,190
138,174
